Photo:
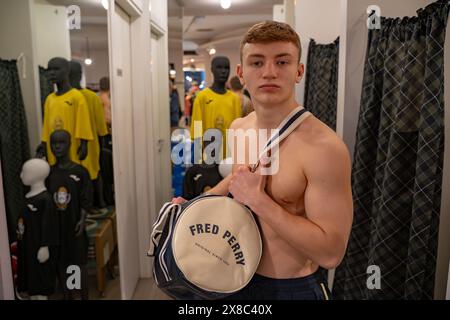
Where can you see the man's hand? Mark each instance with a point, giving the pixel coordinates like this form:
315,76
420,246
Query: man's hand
178,200
82,150
79,228
247,187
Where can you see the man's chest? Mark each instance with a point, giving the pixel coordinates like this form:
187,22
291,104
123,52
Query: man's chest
286,181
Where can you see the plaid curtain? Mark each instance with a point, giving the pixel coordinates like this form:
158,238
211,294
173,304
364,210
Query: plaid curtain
14,145
321,81
397,169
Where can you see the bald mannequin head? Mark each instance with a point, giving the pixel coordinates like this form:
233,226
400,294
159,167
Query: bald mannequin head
58,70
76,72
34,171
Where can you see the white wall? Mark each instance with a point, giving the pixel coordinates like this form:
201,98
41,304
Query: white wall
52,33
6,278
16,30
98,69
159,13
319,20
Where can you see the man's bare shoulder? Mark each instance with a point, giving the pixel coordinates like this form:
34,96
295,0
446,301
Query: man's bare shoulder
319,146
244,123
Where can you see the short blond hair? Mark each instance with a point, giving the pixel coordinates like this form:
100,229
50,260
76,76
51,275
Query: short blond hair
271,31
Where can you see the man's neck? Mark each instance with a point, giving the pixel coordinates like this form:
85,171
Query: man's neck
270,116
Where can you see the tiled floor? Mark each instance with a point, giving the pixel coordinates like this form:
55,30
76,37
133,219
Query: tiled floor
146,289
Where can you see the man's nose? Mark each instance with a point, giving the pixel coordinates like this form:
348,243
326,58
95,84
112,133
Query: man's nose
269,71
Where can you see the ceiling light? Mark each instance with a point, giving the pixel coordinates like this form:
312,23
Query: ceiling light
212,51
192,60
173,72
88,61
105,4
225,4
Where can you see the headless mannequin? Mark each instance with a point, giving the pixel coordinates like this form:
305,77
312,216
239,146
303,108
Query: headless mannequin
75,75
34,172
58,73
220,67
60,144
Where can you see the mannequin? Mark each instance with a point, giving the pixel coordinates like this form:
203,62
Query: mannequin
220,68
37,233
66,109
99,129
201,178
71,189
216,107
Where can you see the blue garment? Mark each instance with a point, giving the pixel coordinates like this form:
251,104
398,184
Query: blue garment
174,108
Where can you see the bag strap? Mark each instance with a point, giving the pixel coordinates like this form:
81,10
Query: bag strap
286,127
158,226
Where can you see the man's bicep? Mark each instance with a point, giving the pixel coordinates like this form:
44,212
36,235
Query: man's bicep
328,196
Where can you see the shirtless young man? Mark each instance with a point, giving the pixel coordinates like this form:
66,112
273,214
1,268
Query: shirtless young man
305,210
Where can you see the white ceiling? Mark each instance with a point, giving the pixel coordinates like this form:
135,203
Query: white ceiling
204,23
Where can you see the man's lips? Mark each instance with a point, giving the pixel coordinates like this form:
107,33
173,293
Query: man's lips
269,86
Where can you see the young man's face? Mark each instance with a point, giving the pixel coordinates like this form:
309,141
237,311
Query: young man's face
270,71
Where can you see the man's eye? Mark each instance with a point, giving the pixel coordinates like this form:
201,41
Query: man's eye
257,63
282,62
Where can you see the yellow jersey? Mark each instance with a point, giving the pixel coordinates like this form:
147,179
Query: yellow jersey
215,111
69,112
98,125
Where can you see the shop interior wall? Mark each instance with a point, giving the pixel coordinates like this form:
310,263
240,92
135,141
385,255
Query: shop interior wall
16,37
319,20
6,278
52,34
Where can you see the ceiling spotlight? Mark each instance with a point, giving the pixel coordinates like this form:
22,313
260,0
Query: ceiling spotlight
105,4
225,4
212,51
192,60
88,61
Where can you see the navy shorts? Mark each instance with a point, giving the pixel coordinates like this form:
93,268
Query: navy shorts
312,287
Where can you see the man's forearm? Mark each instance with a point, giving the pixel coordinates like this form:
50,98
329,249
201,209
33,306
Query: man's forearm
222,187
302,234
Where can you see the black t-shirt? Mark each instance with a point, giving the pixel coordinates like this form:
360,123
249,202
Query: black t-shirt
71,191
199,179
37,227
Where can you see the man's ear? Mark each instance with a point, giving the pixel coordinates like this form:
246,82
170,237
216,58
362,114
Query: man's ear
300,72
239,72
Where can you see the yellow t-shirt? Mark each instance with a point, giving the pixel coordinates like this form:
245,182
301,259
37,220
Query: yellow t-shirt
215,111
98,125
71,113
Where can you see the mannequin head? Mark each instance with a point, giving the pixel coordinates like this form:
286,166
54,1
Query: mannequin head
60,144
220,67
58,70
76,71
34,171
